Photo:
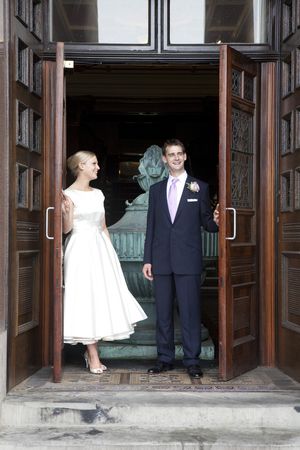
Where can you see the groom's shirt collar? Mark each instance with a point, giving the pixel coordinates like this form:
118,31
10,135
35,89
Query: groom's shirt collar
182,177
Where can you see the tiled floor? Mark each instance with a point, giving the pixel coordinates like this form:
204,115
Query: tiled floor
133,376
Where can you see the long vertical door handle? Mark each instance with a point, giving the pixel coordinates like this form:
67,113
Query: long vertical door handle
47,222
231,238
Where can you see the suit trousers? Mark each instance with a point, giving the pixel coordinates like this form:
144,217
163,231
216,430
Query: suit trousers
186,290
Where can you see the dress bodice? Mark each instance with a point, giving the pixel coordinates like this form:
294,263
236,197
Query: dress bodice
88,209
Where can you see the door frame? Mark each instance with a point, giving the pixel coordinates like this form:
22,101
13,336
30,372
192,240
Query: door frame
266,256
268,215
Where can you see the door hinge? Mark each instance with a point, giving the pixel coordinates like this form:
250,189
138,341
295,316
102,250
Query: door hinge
68,64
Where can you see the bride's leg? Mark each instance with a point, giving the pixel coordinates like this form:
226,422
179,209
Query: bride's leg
94,361
92,351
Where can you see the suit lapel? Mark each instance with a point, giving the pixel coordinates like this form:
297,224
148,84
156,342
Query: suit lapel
163,196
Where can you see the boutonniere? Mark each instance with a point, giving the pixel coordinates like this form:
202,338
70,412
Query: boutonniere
193,186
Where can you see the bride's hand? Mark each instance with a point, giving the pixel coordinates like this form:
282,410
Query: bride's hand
66,204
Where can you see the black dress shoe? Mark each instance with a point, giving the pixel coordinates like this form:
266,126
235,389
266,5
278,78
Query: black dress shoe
195,371
161,367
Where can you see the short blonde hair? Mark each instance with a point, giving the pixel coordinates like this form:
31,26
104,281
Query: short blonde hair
81,156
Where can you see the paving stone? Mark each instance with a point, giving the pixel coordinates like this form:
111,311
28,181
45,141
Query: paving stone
127,409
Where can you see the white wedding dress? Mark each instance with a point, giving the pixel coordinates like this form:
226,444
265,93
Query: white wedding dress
97,302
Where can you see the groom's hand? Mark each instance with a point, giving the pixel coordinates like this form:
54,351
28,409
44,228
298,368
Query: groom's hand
216,214
147,271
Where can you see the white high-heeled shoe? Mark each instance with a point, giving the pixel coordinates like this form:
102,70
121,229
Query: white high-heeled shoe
96,370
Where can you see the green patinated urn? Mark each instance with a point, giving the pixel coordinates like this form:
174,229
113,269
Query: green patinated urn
128,237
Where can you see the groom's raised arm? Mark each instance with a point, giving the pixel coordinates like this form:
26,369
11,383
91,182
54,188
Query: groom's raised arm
206,212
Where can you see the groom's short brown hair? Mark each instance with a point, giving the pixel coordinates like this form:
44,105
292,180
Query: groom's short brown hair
172,142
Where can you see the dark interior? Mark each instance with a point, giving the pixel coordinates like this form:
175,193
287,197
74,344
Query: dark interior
120,128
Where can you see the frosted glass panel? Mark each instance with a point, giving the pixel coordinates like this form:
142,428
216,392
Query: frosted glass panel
216,21
123,22
187,19
101,21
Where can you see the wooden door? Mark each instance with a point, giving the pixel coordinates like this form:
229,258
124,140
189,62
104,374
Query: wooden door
289,197
55,144
59,158
238,185
26,199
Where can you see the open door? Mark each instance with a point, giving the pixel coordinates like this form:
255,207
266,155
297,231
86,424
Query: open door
238,187
59,158
54,73
26,157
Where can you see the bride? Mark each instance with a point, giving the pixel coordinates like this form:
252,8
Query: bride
97,303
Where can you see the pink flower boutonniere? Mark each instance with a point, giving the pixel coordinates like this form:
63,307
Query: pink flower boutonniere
193,186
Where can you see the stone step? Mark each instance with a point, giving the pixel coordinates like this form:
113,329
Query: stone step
149,352
142,409
109,438
146,335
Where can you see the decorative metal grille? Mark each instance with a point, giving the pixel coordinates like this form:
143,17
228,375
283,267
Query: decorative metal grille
248,88
286,134
36,190
297,129
21,10
22,125
242,159
287,18
297,62
287,76
36,75
36,18
236,82
286,191
297,188
22,186
36,132
22,63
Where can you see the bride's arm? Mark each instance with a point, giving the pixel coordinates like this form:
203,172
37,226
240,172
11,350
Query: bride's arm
67,208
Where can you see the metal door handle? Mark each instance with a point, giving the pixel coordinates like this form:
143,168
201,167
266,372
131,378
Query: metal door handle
231,238
47,223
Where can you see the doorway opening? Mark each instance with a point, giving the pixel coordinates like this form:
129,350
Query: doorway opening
118,112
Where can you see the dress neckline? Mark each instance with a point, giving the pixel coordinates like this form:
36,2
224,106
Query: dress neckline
80,190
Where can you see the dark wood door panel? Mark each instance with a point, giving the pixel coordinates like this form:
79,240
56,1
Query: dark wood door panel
238,293
27,166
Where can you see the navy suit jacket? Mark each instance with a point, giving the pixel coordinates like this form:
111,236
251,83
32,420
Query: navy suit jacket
177,247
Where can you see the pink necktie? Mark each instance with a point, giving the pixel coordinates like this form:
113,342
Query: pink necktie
172,199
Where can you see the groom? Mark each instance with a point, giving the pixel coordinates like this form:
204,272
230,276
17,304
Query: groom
178,207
